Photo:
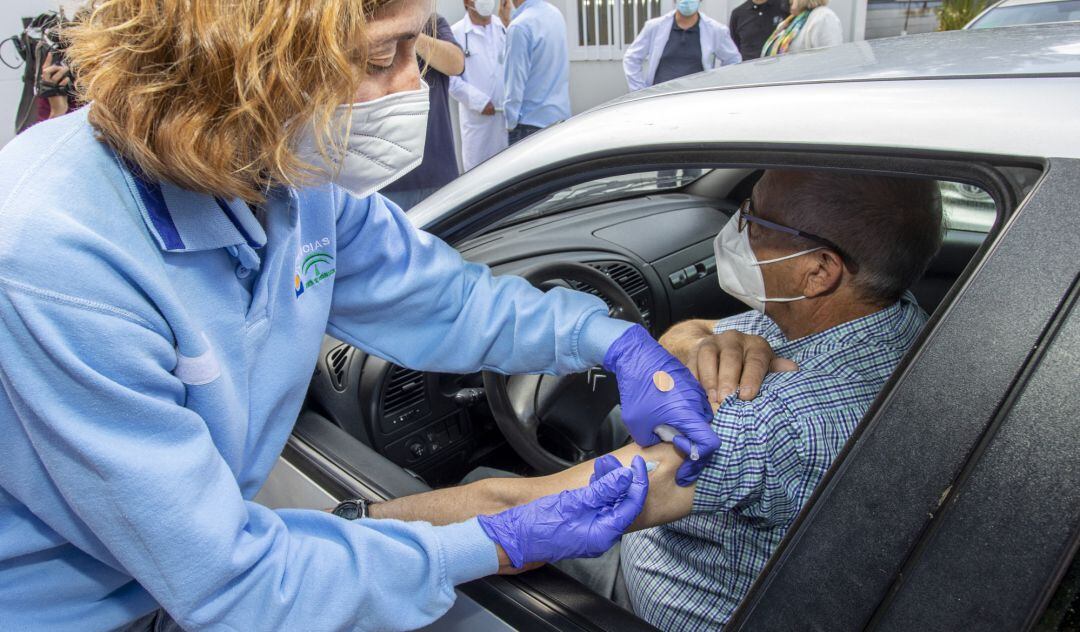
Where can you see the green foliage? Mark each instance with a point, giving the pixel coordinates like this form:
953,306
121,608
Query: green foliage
954,14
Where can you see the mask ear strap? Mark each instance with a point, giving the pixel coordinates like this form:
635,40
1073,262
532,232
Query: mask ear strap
785,258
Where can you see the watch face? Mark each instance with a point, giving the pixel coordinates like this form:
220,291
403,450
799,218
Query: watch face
349,510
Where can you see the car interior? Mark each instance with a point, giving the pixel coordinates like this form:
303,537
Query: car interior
637,235
642,242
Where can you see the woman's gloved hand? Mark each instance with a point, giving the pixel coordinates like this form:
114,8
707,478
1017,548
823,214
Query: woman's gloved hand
676,400
581,522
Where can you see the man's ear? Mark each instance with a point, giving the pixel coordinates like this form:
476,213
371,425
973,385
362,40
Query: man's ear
823,274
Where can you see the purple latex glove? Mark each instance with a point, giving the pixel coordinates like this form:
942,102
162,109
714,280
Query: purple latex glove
603,466
581,522
634,357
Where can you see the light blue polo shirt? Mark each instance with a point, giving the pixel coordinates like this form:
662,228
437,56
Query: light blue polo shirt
157,347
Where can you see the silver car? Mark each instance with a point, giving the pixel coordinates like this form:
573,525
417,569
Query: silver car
956,504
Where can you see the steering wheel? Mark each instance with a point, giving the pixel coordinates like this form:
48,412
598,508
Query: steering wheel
575,406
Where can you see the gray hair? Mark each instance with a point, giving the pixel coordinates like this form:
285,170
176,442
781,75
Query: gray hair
890,226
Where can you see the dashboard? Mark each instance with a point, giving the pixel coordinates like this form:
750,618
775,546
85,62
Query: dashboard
658,248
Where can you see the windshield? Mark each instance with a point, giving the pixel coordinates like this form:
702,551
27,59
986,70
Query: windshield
1040,13
604,189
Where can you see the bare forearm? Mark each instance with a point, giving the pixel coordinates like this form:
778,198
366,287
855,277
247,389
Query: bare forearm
454,504
681,339
443,56
666,501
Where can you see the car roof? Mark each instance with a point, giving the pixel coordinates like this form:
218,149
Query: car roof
1044,49
1006,92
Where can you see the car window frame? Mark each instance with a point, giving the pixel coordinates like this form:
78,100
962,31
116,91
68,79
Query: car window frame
488,206
856,480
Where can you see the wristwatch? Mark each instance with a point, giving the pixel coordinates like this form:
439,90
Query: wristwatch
352,509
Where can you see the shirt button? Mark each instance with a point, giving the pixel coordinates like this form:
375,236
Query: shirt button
242,272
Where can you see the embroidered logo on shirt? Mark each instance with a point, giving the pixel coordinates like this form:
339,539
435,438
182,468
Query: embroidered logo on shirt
315,266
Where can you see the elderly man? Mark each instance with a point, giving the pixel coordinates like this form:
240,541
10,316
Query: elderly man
825,261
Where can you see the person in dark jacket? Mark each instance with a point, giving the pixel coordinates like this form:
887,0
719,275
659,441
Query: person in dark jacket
440,57
753,21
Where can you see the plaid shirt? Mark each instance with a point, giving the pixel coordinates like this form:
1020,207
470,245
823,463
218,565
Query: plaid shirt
691,574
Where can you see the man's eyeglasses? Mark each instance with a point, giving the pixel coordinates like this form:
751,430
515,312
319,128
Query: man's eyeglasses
747,217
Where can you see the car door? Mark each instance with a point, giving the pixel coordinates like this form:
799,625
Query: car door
957,502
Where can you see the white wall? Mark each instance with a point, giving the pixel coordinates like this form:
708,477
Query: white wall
11,14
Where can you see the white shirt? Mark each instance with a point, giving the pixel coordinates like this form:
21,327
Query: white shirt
717,48
482,82
822,29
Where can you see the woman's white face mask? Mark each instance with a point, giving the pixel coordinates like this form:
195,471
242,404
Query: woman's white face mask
383,140
738,269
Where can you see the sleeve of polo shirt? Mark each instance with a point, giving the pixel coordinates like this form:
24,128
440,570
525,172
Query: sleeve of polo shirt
112,461
759,457
405,295
515,72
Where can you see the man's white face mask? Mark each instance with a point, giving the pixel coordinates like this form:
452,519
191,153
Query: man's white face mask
385,141
484,7
738,269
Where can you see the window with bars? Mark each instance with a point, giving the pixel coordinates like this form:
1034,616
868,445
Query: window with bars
605,28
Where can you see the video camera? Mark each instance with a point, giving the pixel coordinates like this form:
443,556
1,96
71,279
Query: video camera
51,48
41,41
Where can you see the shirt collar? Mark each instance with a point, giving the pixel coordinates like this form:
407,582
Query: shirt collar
184,221
524,5
894,321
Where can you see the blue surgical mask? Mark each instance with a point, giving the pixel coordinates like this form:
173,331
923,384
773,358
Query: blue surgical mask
688,7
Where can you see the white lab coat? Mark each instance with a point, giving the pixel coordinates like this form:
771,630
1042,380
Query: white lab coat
482,82
717,48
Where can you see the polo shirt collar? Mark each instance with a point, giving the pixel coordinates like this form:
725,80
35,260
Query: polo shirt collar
524,5
185,221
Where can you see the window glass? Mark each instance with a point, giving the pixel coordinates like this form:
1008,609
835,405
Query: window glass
967,207
1063,611
1036,13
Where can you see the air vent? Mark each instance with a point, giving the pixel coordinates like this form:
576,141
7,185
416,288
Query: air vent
405,394
630,280
337,363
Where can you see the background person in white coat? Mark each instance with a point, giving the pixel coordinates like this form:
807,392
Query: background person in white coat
678,43
479,90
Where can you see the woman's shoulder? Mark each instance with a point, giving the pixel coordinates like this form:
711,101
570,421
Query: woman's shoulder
67,203
823,14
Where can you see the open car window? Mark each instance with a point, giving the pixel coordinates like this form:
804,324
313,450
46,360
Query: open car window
651,232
